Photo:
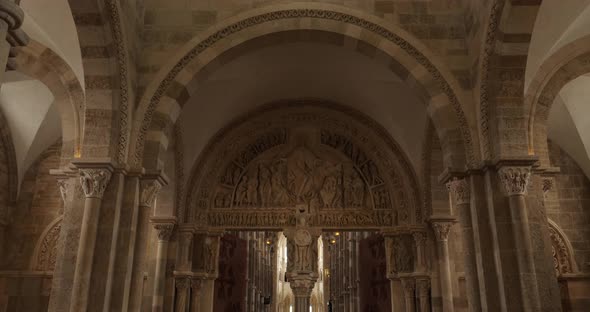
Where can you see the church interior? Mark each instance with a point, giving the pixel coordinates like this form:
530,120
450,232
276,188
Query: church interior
295,156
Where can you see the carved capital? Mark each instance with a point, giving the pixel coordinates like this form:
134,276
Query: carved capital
196,284
302,287
547,185
183,283
515,179
11,13
409,286
442,227
423,287
94,181
164,230
149,191
459,190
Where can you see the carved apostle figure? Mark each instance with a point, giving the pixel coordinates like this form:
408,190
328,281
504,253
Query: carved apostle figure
265,186
242,192
303,244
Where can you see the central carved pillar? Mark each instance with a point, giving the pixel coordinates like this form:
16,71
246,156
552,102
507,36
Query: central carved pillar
515,180
164,227
210,266
442,227
400,266
302,260
94,179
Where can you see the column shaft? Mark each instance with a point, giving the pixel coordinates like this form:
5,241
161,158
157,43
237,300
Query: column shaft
442,227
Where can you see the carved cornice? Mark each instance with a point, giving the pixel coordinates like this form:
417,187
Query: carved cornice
515,179
94,181
442,227
459,190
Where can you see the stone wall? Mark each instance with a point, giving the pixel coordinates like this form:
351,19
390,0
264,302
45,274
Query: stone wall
38,205
169,24
568,204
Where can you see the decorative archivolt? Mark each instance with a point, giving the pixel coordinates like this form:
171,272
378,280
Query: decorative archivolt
563,260
46,250
334,161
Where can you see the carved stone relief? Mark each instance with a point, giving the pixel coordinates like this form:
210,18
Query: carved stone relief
562,260
47,252
401,255
94,181
348,174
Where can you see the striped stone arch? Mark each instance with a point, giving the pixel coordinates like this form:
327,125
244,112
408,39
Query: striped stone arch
563,66
502,64
107,94
395,48
40,62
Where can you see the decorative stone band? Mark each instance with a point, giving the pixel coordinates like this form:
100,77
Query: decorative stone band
11,13
94,181
459,190
442,227
515,179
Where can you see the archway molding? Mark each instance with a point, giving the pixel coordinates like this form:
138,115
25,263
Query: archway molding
42,63
342,167
174,84
563,66
45,252
563,254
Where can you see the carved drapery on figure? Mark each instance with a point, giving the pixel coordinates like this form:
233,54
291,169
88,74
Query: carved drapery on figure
94,181
400,253
515,179
335,162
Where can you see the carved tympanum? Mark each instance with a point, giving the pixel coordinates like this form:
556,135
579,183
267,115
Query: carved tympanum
336,163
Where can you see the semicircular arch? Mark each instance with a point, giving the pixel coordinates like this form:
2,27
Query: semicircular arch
173,85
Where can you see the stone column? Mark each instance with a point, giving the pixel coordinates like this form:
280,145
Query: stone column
442,227
461,194
94,179
302,269
423,290
164,227
515,180
211,249
393,239
182,285
409,286
302,287
196,285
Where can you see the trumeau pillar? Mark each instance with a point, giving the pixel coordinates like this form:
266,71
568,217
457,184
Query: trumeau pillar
302,262
164,227
515,180
94,178
399,265
211,267
442,227
460,193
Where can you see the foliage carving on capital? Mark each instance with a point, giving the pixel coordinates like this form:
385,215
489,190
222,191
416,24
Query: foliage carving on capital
63,189
149,191
419,238
94,182
302,287
164,230
547,185
515,179
442,229
460,191
196,284
183,283
409,285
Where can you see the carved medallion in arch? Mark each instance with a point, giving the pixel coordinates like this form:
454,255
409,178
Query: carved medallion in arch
563,261
320,155
46,249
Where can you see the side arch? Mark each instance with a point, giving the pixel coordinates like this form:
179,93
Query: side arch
173,85
42,63
565,65
563,252
45,252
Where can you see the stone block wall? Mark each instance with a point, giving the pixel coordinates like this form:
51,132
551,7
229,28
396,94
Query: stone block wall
568,204
169,24
38,205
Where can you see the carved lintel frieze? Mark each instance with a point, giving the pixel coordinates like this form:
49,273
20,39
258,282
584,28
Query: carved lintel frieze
442,227
459,190
515,179
94,181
